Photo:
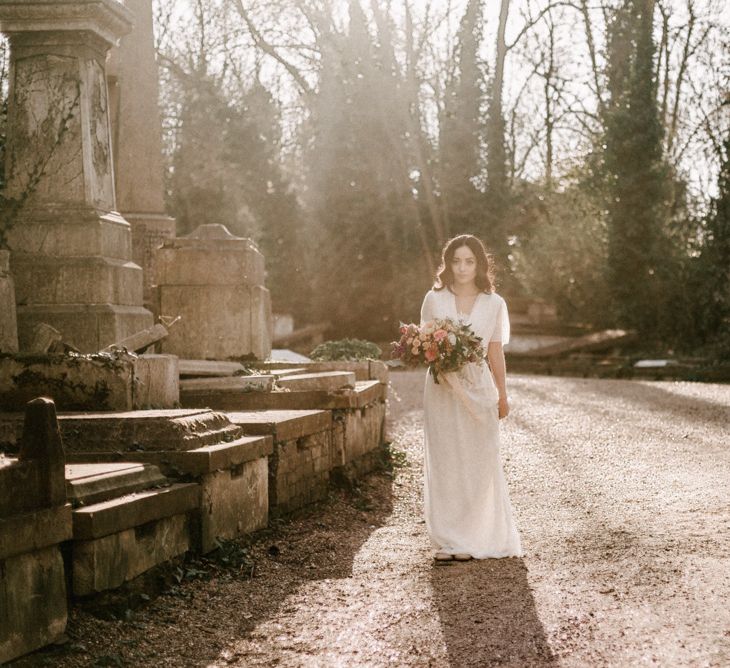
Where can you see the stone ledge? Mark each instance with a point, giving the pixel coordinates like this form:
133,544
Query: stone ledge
133,510
365,392
94,483
283,425
329,381
33,531
195,462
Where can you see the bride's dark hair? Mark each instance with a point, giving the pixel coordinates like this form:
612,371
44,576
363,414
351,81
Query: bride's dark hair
485,265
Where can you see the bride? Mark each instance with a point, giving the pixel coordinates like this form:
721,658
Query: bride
466,501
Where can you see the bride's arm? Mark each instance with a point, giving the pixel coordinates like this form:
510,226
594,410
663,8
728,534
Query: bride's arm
498,367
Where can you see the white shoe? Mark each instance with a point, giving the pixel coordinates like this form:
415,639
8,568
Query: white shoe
443,556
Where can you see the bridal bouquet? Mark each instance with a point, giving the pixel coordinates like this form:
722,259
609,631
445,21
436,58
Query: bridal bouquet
442,345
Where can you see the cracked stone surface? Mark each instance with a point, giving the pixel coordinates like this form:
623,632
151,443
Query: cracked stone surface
621,495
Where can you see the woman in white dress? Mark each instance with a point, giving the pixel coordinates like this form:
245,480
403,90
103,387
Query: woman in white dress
466,501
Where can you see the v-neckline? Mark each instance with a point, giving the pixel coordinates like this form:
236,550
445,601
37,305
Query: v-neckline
473,306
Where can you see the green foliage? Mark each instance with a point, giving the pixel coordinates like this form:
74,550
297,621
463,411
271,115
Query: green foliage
461,131
642,262
563,259
710,272
350,350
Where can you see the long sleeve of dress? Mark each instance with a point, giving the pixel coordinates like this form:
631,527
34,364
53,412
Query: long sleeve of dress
427,308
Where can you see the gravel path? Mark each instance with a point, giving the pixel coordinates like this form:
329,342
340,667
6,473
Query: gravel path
621,491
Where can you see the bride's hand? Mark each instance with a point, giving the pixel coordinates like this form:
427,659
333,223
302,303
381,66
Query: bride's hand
503,407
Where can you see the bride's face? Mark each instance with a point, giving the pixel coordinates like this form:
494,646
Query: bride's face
464,266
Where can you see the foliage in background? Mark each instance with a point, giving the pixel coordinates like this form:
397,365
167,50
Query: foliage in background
346,350
566,134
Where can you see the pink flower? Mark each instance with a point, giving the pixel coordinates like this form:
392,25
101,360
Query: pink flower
431,355
439,334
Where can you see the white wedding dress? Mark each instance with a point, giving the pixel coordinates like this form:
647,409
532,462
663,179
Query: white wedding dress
466,500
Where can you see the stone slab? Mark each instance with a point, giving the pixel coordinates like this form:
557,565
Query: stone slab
365,392
209,368
194,462
115,515
323,380
26,532
360,369
139,340
89,382
93,483
138,431
283,425
107,562
33,610
229,383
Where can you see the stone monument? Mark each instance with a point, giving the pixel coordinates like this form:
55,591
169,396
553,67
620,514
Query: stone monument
136,140
215,282
70,250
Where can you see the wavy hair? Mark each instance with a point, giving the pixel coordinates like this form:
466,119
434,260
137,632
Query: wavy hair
485,265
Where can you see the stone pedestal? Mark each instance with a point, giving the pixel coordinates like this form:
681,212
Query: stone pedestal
137,141
71,252
215,282
8,319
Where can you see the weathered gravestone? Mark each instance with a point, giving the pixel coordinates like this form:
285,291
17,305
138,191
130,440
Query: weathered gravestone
34,520
214,281
70,250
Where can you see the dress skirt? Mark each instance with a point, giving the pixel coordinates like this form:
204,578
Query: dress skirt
466,501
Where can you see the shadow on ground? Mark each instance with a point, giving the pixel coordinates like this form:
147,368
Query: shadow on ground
194,622
487,614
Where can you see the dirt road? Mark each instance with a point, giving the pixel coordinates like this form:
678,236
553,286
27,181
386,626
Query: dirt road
621,491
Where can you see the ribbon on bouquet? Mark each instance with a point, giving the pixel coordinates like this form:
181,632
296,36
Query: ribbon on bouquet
477,407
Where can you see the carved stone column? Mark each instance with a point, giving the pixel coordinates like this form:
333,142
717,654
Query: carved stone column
70,250
137,140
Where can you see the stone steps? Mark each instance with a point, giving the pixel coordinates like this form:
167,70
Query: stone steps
88,484
133,510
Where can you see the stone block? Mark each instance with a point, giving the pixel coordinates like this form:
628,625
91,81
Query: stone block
107,562
215,322
282,425
234,502
76,280
70,232
32,601
90,382
8,318
30,531
230,383
180,262
133,510
157,381
328,381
